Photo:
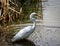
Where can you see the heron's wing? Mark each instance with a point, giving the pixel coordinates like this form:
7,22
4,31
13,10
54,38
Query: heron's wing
22,33
24,30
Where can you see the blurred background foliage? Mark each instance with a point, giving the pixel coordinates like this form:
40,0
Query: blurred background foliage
19,10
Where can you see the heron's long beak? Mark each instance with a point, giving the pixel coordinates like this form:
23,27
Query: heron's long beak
38,15
38,18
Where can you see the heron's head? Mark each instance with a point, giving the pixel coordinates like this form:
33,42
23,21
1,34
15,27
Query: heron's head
33,16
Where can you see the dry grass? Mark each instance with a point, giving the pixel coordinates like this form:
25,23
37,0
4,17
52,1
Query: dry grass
6,34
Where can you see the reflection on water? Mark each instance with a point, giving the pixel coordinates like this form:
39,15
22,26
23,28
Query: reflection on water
24,42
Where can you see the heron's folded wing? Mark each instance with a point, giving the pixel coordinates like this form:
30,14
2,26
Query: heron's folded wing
23,32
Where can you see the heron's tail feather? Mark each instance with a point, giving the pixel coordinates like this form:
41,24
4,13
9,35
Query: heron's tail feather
13,39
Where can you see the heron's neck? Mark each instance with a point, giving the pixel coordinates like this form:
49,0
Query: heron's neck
34,24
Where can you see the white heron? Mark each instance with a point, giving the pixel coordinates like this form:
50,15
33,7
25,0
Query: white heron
25,32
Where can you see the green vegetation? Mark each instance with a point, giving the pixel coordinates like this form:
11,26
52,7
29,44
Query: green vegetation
28,6
18,11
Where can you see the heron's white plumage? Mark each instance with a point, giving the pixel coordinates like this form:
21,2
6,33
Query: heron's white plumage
25,32
22,33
